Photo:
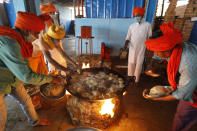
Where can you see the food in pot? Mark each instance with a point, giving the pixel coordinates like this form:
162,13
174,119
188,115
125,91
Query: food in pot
53,90
96,86
160,90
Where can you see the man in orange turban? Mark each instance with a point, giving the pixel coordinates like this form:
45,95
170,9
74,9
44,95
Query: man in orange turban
138,11
181,60
53,50
49,10
15,47
139,31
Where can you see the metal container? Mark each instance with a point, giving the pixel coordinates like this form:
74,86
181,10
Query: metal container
96,70
51,97
83,129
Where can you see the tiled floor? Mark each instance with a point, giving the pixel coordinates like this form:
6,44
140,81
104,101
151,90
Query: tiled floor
139,114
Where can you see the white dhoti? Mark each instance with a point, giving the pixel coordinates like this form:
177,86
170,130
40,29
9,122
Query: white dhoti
137,35
135,62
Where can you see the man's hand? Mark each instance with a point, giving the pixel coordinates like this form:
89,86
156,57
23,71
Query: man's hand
68,72
125,47
144,94
56,79
164,98
126,44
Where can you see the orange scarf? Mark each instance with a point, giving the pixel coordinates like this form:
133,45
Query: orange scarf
173,65
26,48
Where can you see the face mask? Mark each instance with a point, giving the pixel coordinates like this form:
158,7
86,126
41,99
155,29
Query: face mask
53,16
56,42
167,59
137,19
159,58
31,38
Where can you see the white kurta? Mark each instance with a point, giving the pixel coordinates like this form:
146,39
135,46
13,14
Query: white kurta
137,35
55,54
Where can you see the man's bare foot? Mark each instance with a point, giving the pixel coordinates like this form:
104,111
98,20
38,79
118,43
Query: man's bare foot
42,122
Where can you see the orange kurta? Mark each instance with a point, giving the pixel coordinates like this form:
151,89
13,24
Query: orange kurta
37,64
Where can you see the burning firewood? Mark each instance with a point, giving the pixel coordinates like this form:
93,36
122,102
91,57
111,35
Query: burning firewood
95,113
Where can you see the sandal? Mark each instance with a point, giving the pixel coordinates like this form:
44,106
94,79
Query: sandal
42,122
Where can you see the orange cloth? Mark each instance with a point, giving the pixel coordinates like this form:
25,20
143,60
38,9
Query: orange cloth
29,21
47,8
139,10
37,64
171,39
26,48
46,18
173,65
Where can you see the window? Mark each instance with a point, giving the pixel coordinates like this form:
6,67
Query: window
162,7
181,7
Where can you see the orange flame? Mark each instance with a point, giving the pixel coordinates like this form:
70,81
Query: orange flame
67,93
107,108
85,66
124,93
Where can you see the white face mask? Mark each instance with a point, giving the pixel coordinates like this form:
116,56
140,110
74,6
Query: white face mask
53,15
31,38
137,19
159,58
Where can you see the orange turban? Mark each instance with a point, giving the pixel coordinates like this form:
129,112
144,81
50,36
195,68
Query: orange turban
46,18
138,10
29,21
47,8
171,39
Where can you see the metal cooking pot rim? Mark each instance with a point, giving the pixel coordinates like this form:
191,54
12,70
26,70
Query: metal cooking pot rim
51,97
83,129
94,69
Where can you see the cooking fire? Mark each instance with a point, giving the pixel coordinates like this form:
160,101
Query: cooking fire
96,96
84,66
107,107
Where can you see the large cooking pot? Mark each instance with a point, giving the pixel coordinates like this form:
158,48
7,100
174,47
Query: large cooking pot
83,129
95,71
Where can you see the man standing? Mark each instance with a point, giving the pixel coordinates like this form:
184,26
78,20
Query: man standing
181,59
15,48
137,34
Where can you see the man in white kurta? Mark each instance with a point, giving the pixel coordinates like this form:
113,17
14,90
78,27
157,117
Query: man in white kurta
137,34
